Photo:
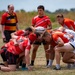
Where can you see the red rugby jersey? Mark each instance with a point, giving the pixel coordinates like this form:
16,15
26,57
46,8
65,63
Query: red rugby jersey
68,23
9,21
41,21
55,37
20,32
23,44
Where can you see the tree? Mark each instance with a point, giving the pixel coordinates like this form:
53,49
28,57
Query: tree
47,11
61,11
22,10
72,9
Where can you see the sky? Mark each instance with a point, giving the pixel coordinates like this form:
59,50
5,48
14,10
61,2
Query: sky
31,5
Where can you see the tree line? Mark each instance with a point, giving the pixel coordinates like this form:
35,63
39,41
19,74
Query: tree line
56,11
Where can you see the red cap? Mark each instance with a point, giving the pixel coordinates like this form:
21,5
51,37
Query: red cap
32,37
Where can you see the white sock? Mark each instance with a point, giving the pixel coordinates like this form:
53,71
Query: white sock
57,66
50,62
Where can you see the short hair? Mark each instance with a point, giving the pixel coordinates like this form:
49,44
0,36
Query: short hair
60,16
8,6
45,34
37,34
41,7
29,29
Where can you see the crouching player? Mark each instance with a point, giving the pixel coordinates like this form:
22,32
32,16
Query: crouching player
69,58
12,50
25,33
55,39
69,53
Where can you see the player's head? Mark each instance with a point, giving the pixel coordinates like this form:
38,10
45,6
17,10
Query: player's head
33,37
10,9
60,18
40,9
28,31
47,37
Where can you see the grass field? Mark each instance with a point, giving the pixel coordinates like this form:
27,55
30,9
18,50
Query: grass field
39,68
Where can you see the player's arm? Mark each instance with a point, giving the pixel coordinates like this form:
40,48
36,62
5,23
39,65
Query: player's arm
27,59
60,42
2,31
68,23
3,20
33,24
33,28
17,26
13,35
27,56
49,23
49,26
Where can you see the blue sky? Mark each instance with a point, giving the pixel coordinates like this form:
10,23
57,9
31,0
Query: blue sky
30,5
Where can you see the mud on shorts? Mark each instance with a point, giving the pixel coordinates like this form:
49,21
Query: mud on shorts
9,57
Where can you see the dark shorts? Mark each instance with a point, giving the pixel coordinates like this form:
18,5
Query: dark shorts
39,43
8,35
9,57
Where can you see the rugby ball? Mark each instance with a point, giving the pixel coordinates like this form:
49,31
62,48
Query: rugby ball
39,29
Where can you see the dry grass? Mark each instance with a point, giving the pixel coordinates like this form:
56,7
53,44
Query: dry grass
39,68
